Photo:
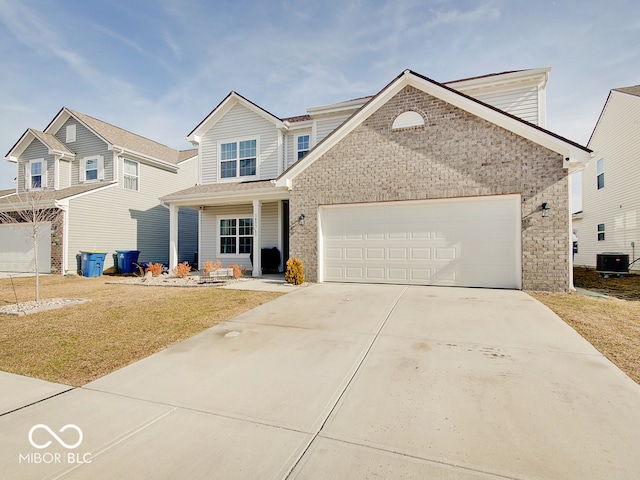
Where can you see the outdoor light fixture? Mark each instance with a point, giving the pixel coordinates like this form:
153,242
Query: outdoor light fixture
301,219
545,209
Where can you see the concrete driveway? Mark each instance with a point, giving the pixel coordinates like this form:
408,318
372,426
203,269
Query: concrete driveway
343,382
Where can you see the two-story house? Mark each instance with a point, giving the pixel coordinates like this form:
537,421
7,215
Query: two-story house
610,216
423,183
104,182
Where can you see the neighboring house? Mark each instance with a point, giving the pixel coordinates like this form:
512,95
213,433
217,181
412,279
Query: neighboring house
610,216
105,184
422,183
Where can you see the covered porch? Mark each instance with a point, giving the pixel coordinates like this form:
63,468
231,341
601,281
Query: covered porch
236,222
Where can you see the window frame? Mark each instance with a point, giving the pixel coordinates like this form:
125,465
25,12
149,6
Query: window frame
300,153
237,235
601,232
99,169
126,175
29,174
238,159
600,174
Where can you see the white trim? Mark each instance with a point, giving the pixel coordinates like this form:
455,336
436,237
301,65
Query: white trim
572,153
221,110
296,151
82,170
70,133
238,178
28,176
237,217
124,175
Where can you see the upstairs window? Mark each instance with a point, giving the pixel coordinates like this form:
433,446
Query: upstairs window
601,232
236,236
35,175
92,169
303,146
238,159
131,175
600,173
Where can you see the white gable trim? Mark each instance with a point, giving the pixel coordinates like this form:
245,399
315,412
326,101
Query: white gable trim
572,153
221,110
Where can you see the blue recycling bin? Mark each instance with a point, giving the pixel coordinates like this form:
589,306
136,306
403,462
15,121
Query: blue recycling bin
92,263
126,260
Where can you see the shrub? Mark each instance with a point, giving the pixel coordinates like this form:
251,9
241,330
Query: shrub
238,270
295,272
182,270
210,266
155,268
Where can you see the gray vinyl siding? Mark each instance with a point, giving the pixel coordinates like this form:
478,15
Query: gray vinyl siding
240,123
209,231
64,174
34,151
324,126
87,144
522,103
115,218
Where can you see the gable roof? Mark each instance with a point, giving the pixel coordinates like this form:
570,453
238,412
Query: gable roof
119,138
571,151
634,90
54,146
222,108
17,201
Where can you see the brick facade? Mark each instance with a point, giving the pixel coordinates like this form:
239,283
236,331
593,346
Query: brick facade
455,154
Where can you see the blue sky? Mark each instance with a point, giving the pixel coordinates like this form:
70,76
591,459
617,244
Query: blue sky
159,67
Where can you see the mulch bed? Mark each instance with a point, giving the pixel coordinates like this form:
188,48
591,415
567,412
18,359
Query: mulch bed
626,287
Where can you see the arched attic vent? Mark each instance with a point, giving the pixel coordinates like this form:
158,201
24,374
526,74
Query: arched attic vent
408,119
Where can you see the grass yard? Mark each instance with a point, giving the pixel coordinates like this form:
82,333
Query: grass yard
121,324
612,325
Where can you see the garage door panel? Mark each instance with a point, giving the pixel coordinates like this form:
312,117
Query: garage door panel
465,242
16,252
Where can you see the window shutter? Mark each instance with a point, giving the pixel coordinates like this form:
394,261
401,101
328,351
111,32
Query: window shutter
44,174
27,176
82,171
100,168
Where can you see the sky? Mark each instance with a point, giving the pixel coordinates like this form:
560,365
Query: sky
158,67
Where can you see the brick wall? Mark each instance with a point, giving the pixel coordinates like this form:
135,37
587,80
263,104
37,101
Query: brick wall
57,237
455,154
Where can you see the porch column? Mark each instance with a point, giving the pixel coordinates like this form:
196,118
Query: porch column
173,236
257,243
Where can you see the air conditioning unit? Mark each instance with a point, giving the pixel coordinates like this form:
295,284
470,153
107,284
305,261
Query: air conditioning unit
612,262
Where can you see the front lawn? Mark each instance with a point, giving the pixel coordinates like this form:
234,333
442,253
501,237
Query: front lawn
612,325
121,324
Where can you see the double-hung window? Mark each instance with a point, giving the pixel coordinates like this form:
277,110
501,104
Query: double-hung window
36,175
131,175
236,236
238,159
92,169
601,232
303,146
600,173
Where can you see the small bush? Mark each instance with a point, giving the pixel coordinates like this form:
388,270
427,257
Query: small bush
210,266
182,270
155,268
238,271
295,272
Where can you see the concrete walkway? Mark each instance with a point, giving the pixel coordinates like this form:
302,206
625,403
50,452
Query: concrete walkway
344,382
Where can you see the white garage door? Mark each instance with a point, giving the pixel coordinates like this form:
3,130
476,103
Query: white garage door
473,242
16,250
